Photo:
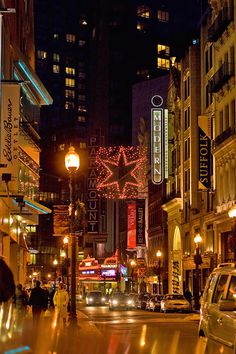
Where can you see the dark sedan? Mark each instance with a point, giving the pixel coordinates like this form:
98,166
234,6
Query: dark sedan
95,298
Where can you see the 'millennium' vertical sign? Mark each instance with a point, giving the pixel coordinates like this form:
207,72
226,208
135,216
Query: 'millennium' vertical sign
159,131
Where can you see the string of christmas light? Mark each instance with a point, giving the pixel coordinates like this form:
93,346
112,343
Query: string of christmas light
121,171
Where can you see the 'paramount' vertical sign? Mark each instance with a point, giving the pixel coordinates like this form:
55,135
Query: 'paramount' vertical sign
9,128
93,200
159,141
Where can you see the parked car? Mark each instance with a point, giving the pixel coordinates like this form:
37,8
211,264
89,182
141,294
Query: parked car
217,314
175,302
142,299
95,298
154,303
121,301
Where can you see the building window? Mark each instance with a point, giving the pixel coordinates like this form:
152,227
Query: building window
81,42
61,147
186,149
221,122
70,94
83,21
69,105
81,86
70,82
187,118
163,16
56,69
55,36
186,180
41,54
163,49
81,98
82,75
70,71
186,87
226,117
82,108
70,38
163,63
82,145
143,11
56,57
208,59
81,119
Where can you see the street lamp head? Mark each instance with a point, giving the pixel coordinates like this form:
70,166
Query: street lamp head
65,240
158,254
132,263
198,238
72,160
55,262
232,212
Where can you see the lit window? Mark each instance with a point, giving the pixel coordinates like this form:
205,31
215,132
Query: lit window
56,57
81,119
82,145
82,108
70,71
41,54
163,16
139,26
70,38
61,147
163,49
70,82
163,63
69,105
56,69
81,97
69,94
55,35
143,11
83,21
81,42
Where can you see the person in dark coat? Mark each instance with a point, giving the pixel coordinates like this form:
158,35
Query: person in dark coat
38,301
188,295
7,284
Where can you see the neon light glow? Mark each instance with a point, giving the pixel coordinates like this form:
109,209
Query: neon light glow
121,171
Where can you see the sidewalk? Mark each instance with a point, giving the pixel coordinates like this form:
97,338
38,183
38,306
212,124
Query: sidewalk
51,337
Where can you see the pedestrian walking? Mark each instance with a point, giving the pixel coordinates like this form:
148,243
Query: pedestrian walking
61,300
38,301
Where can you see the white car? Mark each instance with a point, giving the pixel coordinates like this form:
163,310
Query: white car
217,325
175,302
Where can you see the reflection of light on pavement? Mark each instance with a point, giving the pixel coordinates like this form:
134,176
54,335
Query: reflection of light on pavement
201,345
174,344
154,348
143,335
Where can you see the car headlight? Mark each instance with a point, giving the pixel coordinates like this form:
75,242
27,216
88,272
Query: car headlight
114,302
90,299
130,302
103,299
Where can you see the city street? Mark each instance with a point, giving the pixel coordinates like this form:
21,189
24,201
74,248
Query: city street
100,331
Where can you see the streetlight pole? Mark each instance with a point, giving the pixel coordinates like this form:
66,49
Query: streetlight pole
159,255
66,243
198,262
72,163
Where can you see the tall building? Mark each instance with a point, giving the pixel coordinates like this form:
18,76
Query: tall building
89,54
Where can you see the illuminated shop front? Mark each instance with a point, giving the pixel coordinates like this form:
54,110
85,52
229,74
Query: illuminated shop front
94,276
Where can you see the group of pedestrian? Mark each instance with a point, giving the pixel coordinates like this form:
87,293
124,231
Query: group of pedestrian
39,299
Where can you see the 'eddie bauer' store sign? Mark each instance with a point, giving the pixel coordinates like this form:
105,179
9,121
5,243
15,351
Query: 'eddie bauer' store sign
9,129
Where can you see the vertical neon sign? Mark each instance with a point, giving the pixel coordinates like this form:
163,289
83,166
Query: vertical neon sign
159,140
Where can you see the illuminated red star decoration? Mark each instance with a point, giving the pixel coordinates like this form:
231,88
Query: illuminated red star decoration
121,171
